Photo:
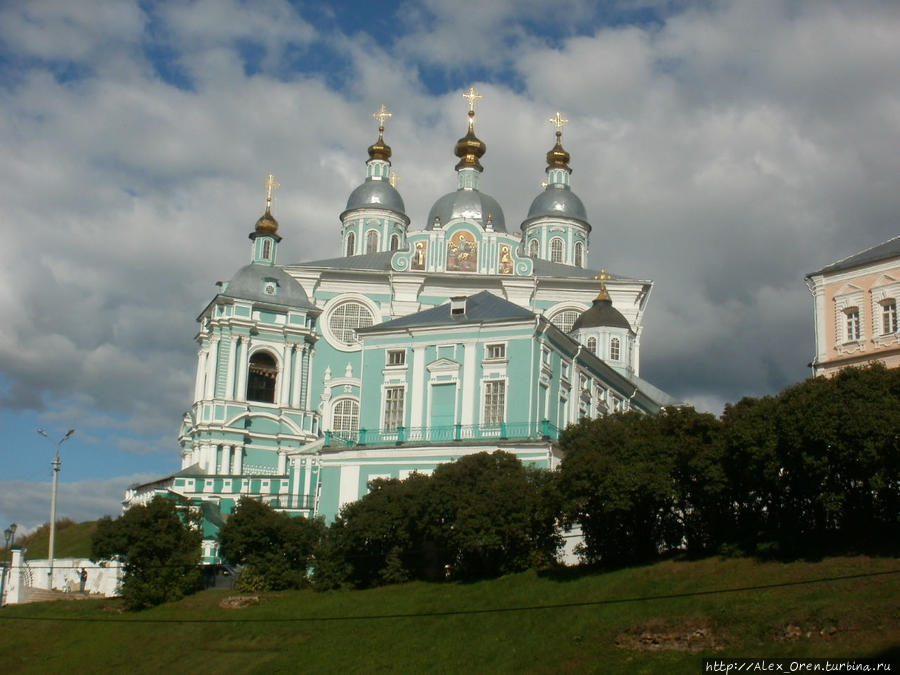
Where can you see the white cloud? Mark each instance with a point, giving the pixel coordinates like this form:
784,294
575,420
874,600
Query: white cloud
723,151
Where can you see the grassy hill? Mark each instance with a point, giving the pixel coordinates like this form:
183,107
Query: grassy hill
662,618
73,540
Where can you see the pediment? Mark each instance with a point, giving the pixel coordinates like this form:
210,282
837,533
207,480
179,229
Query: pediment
443,366
847,289
884,280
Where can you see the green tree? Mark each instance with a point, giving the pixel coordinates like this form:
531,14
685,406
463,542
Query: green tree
160,548
275,549
616,480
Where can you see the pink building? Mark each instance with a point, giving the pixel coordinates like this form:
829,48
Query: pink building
856,309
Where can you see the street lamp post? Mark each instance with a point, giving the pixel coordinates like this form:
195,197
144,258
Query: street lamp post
56,464
10,535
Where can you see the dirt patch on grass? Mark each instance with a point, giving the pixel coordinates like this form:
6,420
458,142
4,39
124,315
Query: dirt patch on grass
239,601
659,636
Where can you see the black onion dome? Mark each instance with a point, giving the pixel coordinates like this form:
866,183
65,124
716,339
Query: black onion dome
601,314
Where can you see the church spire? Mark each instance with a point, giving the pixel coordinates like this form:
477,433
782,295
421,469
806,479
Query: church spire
470,148
265,235
558,158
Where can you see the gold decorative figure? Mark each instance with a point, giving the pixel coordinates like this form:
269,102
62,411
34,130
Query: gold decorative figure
559,122
270,186
418,262
472,96
603,276
381,116
506,261
462,253
394,179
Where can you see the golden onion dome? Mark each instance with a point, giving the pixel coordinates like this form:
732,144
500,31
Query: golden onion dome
470,148
558,158
267,223
379,149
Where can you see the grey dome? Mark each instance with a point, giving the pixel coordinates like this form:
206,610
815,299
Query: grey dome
468,204
601,314
250,284
377,194
557,201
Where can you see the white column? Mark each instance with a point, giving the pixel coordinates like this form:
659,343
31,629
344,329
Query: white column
284,384
237,466
282,464
241,393
198,381
417,388
307,477
229,377
468,384
211,367
226,459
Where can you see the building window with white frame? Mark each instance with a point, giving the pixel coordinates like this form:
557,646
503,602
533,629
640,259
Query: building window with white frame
396,357
495,352
395,242
614,350
371,241
565,319
494,402
579,255
556,250
888,316
851,325
592,345
346,318
345,416
393,407
351,243
533,248
262,374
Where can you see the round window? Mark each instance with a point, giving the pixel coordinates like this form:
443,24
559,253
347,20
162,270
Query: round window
346,318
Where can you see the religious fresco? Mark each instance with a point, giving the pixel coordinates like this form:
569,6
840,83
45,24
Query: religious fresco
462,253
505,262
418,257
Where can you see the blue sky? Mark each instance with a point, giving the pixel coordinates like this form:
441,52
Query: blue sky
723,149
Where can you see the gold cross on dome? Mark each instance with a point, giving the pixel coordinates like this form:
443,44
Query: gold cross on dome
382,115
472,96
270,185
603,276
394,179
558,121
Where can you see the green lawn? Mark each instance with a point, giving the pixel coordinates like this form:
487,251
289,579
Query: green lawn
520,623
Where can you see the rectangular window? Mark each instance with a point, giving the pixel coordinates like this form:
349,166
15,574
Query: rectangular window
396,357
852,324
889,317
495,352
393,407
494,401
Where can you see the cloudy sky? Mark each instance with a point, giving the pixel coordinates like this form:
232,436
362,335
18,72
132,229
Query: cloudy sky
722,149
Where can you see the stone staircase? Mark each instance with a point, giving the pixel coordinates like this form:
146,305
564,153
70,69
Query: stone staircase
43,595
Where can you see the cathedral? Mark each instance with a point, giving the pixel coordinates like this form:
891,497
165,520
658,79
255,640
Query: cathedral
419,344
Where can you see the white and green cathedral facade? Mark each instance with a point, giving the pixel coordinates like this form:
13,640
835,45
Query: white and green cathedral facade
413,348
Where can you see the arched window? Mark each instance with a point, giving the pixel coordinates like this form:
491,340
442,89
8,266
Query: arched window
267,249
592,345
556,250
851,324
351,243
614,350
345,417
533,248
889,316
261,378
346,318
579,255
565,319
395,242
371,241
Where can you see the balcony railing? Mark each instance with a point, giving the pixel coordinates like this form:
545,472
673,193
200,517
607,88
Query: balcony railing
512,431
